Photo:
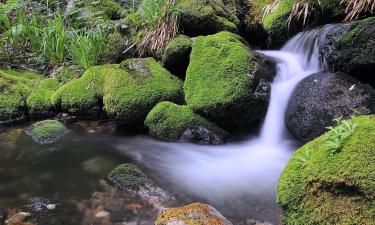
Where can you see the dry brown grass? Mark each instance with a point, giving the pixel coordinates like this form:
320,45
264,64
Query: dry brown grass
156,38
300,9
269,8
354,8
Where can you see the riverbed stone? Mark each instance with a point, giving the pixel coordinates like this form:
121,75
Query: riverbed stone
47,131
226,82
127,176
322,97
321,185
171,122
350,49
193,214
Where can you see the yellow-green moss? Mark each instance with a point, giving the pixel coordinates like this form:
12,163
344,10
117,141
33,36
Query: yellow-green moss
217,83
15,88
176,55
130,95
40,101
47,131
83,96
168,121
127,176
317,188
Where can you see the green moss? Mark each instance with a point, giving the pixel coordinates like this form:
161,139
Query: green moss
217,81
206,17
130,95
168,121
114,51
83,96
277,18
47,131
109,7
176,55
69,73
356,29
128,176
15,87
338,189
40,101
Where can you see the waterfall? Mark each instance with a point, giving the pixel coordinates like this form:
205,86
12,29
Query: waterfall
237,172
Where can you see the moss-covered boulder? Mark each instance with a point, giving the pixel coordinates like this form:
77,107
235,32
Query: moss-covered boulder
142,83
193,214
226,82
171,122
15,88
325,183
118,49
350,49
47,131
40,102
128,176
176,55
202,17
109,8
84,96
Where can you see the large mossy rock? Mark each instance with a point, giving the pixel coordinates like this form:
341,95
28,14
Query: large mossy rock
176,55
193,214
322,97
317,187
15,88
171,122
40,102
350,49
143,83
47,131
84,96
202,17
226,82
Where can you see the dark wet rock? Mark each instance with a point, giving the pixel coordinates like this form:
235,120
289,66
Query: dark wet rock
253,222
113,206
66,118
47,131
350,48
322,97
37,204
128,177
171,122
100,126
196,213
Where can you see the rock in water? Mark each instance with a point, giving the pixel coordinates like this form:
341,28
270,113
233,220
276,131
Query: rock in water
127,176
194,214
322,97
321,185
226,82
47,131
171,122
350,48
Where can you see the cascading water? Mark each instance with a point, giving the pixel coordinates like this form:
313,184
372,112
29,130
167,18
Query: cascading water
245,173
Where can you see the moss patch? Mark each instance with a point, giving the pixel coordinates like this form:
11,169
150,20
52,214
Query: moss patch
143,83
176,55
218,84
316,188
15,88
200,17
127,176
40,101
47,131
83,96
168,121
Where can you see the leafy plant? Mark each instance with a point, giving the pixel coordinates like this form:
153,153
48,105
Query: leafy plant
337,136
85,48
304,159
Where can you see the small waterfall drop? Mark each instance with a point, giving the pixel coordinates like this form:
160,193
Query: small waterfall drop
237,178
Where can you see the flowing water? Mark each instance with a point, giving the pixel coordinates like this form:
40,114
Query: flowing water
238,178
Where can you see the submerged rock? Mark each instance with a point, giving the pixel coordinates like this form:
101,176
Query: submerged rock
194,214
47,131
226,82
171,122
326,185
127,176
322,97
350,48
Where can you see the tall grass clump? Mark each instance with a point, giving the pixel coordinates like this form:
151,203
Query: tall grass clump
161,19
86,47
354,8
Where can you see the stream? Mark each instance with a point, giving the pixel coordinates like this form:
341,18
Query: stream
239,178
